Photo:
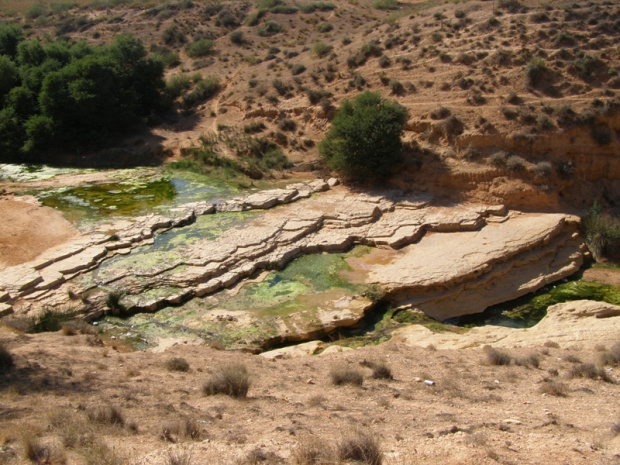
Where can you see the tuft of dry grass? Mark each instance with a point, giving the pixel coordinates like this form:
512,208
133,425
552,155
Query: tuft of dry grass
553,388
531,360
68,330
610,357
177,364
342,375
380,369
105,415
232,380
179,457
496,357
552,345
37,453
184,428
313,451
362,447
591,371
570,358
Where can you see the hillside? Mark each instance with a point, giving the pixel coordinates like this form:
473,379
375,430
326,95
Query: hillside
508,101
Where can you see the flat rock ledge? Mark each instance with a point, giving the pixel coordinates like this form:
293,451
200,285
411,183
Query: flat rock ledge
580,322
446,260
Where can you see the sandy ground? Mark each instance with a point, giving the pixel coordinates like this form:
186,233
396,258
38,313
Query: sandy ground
473,413
28,229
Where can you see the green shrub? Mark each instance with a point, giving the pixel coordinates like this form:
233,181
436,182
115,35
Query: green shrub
385,4
535,72
297,69
321,49
177,85
203,90
231,380
269,28
237,37
364,141
199,48
602,232
314,6
172,35
35,11
325,27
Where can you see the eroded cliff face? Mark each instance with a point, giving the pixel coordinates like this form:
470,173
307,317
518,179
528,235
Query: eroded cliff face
447,260
583,166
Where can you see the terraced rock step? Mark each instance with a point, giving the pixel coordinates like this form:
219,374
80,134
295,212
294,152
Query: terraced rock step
446,260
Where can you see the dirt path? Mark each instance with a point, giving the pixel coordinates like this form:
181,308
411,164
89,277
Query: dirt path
602,275
29,229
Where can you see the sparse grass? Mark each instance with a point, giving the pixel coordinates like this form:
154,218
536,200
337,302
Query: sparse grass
343,375
231,380
496,357
362,447
177,364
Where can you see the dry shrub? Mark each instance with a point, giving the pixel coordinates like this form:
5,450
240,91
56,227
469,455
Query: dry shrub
177,364
179,457
6,360
232,380
184,428
259,457
553,388
531,360
496,357
611,357
68,330
343,375
571,359
552,345
100,454
589,370
615,428
313,451
380,369
361,447
106,415
40,454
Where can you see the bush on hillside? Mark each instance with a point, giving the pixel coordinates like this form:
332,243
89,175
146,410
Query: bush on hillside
364,141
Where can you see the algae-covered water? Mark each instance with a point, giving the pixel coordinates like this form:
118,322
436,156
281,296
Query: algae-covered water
249,314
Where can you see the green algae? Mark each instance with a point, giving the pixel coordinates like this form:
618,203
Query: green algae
254,313
528,310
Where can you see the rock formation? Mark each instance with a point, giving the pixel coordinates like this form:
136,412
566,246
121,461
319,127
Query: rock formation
446,260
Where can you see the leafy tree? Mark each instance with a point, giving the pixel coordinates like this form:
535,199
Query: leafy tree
10,36
9,76
364,141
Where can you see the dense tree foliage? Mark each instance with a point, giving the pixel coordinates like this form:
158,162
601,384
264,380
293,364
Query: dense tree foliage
364,141
64,96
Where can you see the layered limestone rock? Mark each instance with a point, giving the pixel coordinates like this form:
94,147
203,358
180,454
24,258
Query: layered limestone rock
583,322
446,260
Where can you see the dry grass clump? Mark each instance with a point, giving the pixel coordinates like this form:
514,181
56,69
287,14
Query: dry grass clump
380,369
611,357
343,375
177,364
589,370
615,428
531,360
496,357
232,380
35,452
182,429
553,388
313,451
552,345
571,359
105,415
361,447
179,457
6,360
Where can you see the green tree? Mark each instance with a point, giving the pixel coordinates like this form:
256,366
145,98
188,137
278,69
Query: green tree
9,76
364,141
10,36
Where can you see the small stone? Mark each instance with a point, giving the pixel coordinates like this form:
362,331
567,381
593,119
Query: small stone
331,182
310,381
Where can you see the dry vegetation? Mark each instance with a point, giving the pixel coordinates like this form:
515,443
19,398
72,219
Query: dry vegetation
508,94
67,401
